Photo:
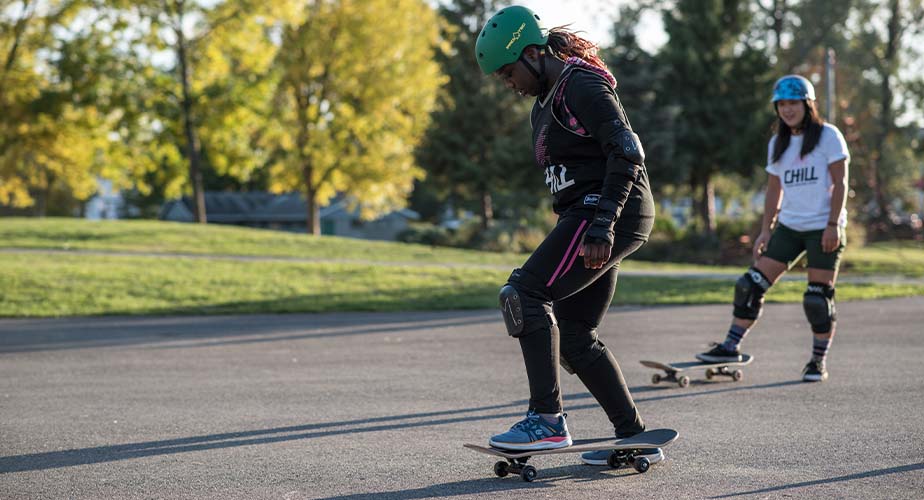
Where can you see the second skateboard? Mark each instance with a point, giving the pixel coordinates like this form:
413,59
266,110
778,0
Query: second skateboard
675,372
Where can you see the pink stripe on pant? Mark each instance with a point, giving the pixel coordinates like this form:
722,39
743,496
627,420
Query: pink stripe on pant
567,252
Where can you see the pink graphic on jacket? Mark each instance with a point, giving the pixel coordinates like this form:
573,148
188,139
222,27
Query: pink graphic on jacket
577,61
542,147
570,120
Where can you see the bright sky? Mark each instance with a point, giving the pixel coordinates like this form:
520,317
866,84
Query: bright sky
595,17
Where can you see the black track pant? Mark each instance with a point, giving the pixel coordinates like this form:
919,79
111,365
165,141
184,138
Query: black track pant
555,276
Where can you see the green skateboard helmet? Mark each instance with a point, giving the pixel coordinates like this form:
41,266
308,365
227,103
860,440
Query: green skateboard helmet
504,37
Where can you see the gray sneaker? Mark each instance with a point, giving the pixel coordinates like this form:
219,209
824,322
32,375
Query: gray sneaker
534,433
600,457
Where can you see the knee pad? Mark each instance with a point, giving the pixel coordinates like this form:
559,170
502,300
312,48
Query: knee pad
512,309
521,306
749,294
818,302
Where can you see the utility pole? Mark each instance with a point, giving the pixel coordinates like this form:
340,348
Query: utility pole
830,67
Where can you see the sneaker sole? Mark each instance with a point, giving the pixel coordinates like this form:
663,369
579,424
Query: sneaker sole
652,459
814,378
535,446
714,359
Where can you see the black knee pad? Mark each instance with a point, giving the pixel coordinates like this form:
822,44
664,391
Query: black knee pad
818,303
512,309
749,294
523,305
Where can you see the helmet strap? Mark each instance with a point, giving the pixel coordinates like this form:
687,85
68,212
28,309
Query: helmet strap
539,75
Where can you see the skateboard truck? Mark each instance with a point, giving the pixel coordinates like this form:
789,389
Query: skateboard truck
684,380
528,473
674,372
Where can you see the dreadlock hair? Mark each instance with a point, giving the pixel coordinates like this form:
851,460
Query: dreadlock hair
812,125
566,43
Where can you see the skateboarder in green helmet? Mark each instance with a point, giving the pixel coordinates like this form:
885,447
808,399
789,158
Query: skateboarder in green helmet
593,165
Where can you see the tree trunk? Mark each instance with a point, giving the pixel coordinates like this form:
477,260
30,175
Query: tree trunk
779,15
42,194
487,208
887,97
702,190
881,222
192,139
312,209
708,204
41,202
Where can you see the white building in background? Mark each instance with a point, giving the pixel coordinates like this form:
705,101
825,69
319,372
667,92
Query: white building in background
107,204
288,212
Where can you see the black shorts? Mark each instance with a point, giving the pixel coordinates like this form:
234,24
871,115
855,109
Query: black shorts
788,246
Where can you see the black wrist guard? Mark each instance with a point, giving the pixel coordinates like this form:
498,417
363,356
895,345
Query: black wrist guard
601,227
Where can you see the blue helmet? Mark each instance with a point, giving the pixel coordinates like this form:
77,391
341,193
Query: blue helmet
793,87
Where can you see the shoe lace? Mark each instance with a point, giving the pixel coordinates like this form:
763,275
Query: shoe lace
526,423
716,347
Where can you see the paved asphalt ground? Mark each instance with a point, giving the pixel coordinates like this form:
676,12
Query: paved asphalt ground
370,406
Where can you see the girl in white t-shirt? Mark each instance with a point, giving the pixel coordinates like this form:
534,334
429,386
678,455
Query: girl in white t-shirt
804,214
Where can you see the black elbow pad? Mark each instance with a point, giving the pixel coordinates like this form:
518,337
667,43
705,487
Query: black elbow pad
622,141
630,147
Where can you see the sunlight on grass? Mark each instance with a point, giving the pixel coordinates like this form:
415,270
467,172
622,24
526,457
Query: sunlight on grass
65,285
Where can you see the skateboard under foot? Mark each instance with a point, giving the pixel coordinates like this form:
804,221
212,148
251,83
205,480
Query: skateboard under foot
625,452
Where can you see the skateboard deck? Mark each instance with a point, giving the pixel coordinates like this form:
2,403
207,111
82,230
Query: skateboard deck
624,451
673,372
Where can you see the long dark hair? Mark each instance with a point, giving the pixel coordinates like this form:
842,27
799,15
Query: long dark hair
566,43
812,125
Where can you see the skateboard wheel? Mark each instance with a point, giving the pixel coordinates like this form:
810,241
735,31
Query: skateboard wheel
500,468
642,464
683,381
529,473
709,374
656,378
737,375
614,460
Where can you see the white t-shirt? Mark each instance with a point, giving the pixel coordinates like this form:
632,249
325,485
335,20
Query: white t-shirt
806,182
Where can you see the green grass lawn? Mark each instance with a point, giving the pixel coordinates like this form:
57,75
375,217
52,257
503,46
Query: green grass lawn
214,239
902,258
349,276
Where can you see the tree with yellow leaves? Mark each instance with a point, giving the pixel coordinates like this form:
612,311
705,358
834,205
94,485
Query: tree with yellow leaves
50,139
358,81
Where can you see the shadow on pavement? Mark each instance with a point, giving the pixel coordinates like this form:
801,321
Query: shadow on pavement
680,393
87,333
849,477
546,479
111,453
194,330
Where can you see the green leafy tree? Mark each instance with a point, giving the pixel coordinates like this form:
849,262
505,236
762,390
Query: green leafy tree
478,152
715,89
205,95
357,84
638,75
877,45
883,153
